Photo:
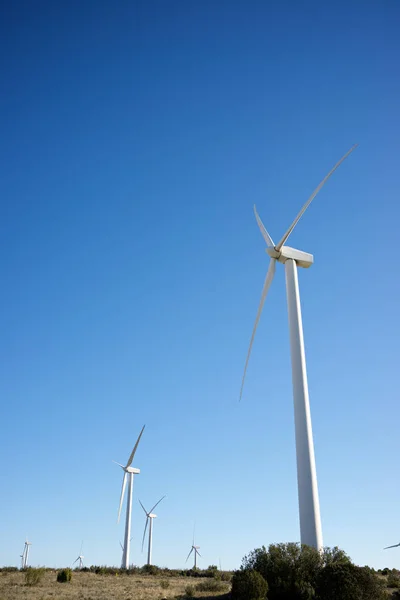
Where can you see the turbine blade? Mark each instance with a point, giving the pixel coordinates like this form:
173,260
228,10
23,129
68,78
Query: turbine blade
198,553
157,504
117,463
144,532
264,232
395,546
268,280
128,464
75,560
122,495
188,555
311,198
143,508
122,548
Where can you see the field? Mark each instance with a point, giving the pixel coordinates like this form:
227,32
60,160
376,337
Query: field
90,586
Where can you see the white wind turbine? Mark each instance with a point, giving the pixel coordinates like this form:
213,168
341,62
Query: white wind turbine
25,553
310,519
128,471
149,520
80,558
194,549
395,546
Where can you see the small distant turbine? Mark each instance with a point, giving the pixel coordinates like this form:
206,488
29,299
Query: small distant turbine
194,549
149,519
131,471
80,558
395,546
24,555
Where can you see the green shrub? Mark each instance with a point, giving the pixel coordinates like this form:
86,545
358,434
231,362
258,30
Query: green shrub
164,583
189,591
248,584
211,585
347,581
64,576
34,576
393,579
225,576
150,570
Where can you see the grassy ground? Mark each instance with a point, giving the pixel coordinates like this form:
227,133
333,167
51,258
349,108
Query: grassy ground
89,586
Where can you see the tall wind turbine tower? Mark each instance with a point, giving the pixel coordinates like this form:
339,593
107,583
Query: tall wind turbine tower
310,519
129,472
149,520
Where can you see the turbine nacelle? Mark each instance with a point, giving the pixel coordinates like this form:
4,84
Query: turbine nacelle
152,516
303,259
131,470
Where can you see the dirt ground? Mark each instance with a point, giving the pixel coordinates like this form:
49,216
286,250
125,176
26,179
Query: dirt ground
89,586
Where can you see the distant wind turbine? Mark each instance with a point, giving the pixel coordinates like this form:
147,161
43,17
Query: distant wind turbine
395,546
194,549
80,558
25,553
310,519
149,520
128,471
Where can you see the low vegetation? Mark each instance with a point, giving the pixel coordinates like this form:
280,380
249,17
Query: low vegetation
281,572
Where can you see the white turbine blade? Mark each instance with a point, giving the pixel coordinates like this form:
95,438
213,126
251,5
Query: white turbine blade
311,198
135,448
144,532
145,511
75,560
395,546
264,232
198,552
117,463
268,280
122,495
188,555
157,504
122,548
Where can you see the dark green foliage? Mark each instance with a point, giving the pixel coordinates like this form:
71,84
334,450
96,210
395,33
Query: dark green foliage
211,585
164,583
393,579
295,572
34,576
151,570
64,576
248,584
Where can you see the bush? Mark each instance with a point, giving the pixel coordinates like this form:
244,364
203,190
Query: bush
248,584
189,591
393,579
211,585
64,576
34,576
164,583
150,570
296,572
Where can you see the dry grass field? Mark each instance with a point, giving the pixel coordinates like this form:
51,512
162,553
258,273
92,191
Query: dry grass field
89,586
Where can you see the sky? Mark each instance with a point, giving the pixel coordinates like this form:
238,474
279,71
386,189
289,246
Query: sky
135,138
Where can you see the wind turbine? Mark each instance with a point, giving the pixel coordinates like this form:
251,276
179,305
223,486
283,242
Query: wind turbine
149,518
310,519
80,558
395,546
128,471
194,549
25,553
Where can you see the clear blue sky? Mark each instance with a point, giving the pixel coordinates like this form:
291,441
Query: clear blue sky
135,138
